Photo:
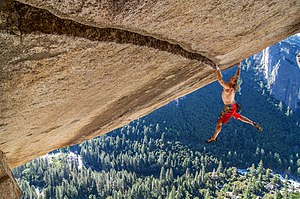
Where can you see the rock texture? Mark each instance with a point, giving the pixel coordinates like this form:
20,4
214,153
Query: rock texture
8,186
73,70
276,66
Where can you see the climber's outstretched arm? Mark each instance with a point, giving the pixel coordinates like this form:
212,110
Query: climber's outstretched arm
238,72
220,80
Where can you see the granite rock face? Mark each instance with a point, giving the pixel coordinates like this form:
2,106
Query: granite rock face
9,189
73,70
277,67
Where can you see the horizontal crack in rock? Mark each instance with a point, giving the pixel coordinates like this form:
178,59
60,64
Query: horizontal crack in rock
31,20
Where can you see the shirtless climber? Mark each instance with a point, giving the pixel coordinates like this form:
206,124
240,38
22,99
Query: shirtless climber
231,108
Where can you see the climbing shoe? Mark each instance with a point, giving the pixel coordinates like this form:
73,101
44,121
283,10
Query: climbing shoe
260,128
211,140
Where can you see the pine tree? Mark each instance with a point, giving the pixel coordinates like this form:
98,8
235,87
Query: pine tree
161,159
260,167
162,175
179,192
277,195
268,174
172,193
247,193
298,162
285,192
207,195
157,128
288,111
162,139
171,177
280,106
220,168
252,170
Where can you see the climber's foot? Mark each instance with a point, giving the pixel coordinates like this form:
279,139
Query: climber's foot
211,139
260,128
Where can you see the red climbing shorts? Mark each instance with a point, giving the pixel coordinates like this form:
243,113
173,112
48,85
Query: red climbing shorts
228,112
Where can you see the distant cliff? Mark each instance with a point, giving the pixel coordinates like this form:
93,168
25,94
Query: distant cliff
277,67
